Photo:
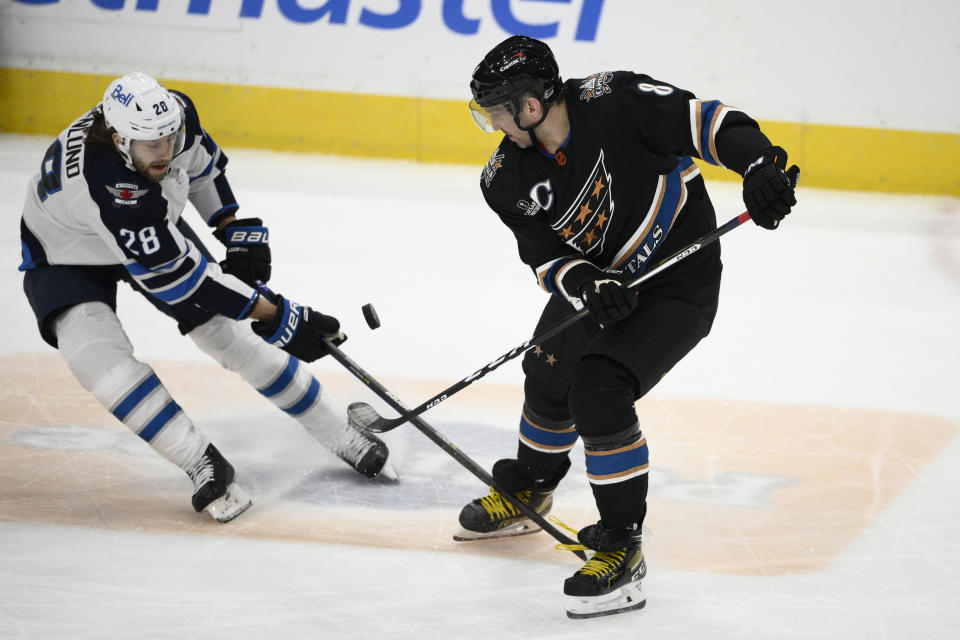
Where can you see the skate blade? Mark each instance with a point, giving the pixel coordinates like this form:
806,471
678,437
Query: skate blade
523,528
230,505
627,598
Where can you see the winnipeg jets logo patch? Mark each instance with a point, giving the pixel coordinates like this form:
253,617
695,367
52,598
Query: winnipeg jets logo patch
126,194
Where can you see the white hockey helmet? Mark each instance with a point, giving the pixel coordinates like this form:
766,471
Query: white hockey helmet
139,108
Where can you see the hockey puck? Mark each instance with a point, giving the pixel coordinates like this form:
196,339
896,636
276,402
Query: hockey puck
370,315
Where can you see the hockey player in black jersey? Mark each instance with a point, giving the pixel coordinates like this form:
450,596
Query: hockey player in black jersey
105,207
595,177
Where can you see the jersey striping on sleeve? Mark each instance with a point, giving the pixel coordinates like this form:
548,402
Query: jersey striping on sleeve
706,118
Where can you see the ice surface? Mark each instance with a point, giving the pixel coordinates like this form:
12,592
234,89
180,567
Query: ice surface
804,456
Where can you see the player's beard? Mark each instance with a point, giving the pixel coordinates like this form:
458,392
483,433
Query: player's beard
151,174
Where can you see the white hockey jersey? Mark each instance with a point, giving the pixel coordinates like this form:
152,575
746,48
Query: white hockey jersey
87,207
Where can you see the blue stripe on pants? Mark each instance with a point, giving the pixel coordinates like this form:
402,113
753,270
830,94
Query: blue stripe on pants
307,400
284,379
136,396
159,421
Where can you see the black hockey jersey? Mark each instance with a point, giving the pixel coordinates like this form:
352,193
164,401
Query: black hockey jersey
619,189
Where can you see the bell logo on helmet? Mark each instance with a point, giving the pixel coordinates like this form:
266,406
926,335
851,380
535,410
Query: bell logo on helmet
138,107
120,96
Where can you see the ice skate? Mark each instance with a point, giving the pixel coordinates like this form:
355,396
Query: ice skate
214,489
610,581
493,516
365,452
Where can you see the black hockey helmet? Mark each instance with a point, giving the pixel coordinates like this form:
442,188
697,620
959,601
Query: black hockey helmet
515,67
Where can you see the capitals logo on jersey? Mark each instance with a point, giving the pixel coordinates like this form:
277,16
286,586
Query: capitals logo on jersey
493,164
585,223
126,194
595,86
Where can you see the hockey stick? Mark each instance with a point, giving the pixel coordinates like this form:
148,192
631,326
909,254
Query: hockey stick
434,435
381,424
445,444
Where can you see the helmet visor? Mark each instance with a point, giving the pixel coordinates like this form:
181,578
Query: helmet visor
482,117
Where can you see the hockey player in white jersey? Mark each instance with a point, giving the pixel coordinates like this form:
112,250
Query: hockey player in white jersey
105,207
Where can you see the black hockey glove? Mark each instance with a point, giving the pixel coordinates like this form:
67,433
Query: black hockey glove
300,330
768,190
608,301
248,254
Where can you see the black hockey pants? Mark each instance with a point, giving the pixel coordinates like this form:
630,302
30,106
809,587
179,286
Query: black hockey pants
588,378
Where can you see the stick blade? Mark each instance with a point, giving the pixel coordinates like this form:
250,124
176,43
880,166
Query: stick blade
363,416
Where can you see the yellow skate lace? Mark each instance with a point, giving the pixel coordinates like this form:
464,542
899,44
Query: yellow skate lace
599,562
567,547
497,508
602,562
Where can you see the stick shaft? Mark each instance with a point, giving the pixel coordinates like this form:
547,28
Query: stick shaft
446,445
553,330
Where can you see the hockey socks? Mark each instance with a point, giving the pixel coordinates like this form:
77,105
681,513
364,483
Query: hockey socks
290,386
95,347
